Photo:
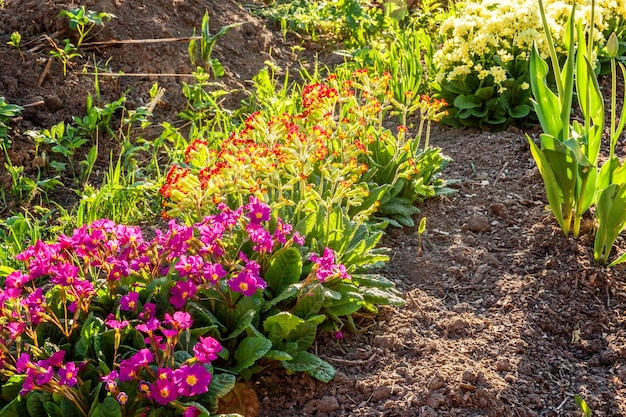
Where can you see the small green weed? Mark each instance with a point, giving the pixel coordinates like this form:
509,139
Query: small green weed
7,111
200,50
83,21
65,54
16,40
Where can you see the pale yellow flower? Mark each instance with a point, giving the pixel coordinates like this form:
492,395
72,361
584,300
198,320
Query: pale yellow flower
498,73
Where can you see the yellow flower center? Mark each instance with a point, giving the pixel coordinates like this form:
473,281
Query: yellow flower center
191,380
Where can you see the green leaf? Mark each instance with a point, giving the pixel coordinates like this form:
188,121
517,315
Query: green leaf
278,355
249,351
546,104
373,280
221,384
110,408
280,325
520,111
11,388
91,327
312,365
611,215
558,171
333,227
394,207
310,302
382,297
582,404
465,101
52,409
485,93
303,335
5,270
15,408
35,403
287,293
345,309
242,324
285,268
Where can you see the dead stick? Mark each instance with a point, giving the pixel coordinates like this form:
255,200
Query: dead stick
351,361
45,72
35,104
139,41
141,74
500,173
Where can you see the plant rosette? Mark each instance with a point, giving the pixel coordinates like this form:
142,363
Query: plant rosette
103,322
332,152
483,64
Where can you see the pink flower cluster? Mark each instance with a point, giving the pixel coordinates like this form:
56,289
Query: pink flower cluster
163,384
109,263
327,268
51,371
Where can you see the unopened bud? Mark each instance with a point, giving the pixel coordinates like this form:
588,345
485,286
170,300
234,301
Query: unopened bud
612,46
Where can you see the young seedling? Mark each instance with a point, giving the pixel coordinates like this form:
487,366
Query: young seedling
65,55
83,21
16,39
201,51
420,236
582,405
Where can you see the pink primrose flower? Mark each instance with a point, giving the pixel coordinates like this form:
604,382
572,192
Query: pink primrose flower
23,362
163,391
228,217
120,270
257,211
213,272
192,379
129,301
141,263
247,282
149,311
44,375
68,374
142,358
56,359
181,292
149,326
15,329
16,279
180,320
110,381
177,238
122,398
64,274
129,235
115,324
165,373
191,411
188,266
260,236
326,267
128,370
206,349
282,231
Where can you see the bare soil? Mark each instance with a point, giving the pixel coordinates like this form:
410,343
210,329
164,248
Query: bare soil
504,315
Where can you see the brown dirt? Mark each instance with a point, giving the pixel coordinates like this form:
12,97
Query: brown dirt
504,316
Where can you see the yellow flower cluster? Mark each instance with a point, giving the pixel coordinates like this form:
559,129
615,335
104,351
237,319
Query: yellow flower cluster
487,34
